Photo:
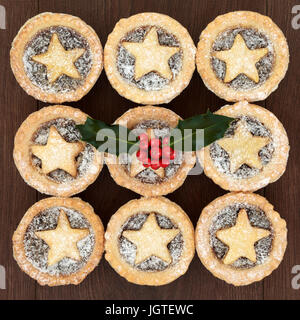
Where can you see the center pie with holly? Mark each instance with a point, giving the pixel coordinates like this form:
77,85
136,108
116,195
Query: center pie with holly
56,57
253,152
149,58
242,55
150,241
155,169
240,238
59,241
50,156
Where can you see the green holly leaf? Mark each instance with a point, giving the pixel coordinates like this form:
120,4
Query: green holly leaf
114,139
187,136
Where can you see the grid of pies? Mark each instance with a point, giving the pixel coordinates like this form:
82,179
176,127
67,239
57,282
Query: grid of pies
150,58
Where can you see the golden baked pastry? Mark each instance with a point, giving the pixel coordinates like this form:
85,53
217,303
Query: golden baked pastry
150,180
242,55
59,241
253,152
149,58
56,57
149,241
50,156
240,238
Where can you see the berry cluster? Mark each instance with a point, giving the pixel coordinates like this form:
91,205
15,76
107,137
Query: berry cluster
155,153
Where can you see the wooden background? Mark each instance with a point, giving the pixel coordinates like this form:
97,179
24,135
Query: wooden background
104,195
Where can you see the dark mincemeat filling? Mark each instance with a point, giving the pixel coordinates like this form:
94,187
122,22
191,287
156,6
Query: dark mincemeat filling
36,249
221,158
37,72
152,80
128,249
67,129
254,40
226,218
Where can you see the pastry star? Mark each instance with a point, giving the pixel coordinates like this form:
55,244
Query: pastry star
241,239
58,153
58,60
151,56
136,165
151,240
239,59
62,241
243,148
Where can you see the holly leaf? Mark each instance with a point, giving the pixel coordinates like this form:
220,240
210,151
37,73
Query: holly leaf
199,131
113,139
189,135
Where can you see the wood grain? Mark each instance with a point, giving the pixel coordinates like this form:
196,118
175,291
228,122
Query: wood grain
104,195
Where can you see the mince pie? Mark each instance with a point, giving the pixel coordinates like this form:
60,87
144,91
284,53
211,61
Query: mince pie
56,57
144,172
50,156
150,241
242,55
253,152
149,58
59,241
240,238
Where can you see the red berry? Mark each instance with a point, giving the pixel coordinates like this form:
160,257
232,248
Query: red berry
144,145
142,155
172,154
143,137
155,142
147,163
155,166
166,140
168,153
155,153
164,163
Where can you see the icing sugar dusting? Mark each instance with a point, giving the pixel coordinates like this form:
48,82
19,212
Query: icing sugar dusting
126,62
226,218
254,40
37,72
221,158
36,249
153,263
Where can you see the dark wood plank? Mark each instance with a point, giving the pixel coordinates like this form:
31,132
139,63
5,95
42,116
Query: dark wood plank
284,194
104,195
15,196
